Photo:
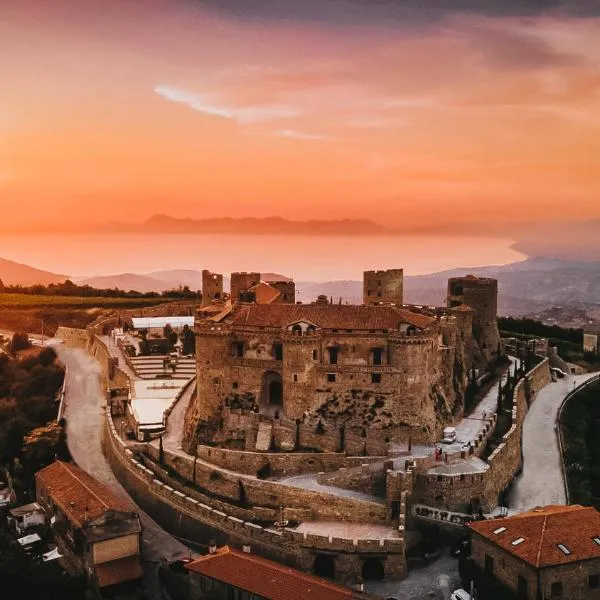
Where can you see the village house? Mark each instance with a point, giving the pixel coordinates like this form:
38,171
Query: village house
549,552
90,524
240,575
25,517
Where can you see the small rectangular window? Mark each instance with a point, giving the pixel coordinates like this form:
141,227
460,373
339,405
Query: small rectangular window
556,589
375,377
518,541
499,530
593,581
596,540
331,377
489,565
315,355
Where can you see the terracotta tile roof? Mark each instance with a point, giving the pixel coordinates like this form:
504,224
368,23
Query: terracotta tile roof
118,571
265,578
265,293
78,494
543,531
329,316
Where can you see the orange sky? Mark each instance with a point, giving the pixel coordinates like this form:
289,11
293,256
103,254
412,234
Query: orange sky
122,109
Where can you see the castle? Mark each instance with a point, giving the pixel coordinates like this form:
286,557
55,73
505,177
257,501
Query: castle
378,368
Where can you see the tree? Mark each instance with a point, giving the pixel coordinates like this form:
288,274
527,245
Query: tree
20,341
188,340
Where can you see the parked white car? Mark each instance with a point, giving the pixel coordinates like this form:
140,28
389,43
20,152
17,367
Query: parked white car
460,595
449,435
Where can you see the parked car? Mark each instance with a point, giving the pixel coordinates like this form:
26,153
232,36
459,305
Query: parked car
449,435
460,594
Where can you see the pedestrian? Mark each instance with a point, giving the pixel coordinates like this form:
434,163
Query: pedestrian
484,415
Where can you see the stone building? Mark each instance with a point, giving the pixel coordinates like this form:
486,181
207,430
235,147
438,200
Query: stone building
481,295
212,287
383,287
93,527
591,341
370,366
250,287
229,573
548,552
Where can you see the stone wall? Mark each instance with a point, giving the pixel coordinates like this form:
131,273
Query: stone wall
183,515
412,393
383,287
368,477
271,494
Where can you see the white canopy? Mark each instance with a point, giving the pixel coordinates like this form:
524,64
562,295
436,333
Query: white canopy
160,322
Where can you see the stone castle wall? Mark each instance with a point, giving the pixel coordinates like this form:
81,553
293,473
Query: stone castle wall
185,516
212,287
242,281
415,393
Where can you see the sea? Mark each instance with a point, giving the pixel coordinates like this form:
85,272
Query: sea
305,258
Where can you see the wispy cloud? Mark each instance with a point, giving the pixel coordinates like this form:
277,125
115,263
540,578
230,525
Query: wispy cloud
298,135
243,115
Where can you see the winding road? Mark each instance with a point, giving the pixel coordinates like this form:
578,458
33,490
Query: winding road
84,411
541,481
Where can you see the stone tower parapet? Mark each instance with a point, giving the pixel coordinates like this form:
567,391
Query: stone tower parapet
383,287
212,287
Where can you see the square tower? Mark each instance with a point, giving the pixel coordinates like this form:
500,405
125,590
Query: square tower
384,287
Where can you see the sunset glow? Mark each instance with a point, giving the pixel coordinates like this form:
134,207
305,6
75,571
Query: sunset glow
122,109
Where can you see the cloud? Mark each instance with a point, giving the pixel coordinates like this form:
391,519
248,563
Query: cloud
292,134
243,115
390,12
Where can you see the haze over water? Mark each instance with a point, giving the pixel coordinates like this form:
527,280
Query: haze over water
316,258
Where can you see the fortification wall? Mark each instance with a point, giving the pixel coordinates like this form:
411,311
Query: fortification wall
183,515
74,338
271,494
368,477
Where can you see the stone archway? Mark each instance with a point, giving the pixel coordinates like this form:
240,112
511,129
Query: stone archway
324,566
272,393
372,569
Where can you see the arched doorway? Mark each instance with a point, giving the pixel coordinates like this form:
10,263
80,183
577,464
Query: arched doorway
372,569
324,566
276,393
272,393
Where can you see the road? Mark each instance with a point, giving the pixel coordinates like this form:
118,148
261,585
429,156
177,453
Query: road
541,481
84,412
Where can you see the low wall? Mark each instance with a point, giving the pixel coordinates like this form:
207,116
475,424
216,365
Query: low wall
369,478
282,464
226,484
74,338
183,515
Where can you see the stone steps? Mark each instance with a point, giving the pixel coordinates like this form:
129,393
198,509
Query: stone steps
264,436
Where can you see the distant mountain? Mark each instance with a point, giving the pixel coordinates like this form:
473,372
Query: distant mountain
159,281
241,226
12,273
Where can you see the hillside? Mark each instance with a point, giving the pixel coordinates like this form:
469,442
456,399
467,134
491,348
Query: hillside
159,281
12,273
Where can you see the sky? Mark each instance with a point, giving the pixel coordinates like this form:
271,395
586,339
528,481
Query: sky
464,111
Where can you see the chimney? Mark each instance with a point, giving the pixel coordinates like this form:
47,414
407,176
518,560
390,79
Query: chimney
212,547
246,548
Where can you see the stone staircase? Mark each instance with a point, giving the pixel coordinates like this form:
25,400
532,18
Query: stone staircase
264,436
151,367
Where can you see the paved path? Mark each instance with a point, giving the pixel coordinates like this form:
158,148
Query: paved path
541,481
84,412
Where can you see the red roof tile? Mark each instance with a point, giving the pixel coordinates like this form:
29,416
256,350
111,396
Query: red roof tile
266,578
78,494
329,316
543,529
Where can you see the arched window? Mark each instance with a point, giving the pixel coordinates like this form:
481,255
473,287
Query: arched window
296,329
